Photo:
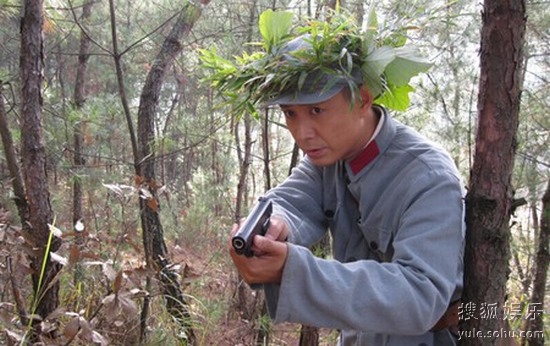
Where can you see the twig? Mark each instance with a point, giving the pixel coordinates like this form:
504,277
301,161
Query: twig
16,294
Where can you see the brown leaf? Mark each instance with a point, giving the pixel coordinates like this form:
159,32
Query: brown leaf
137,293
86,329
58,259
145,193
48,327
139,180
74,255
111,306
72,328
57,313
99,339
128,306
22,264
14,336
30,250
118,282
135,277
153,204
6,315
153,184
90,255
109,271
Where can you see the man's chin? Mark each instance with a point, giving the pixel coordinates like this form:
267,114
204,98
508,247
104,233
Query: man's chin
322,162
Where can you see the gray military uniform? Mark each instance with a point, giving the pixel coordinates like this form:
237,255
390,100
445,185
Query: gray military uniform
395,213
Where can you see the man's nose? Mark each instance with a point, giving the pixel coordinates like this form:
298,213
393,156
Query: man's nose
305,130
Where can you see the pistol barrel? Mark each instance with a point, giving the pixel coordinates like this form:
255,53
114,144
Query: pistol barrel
257,222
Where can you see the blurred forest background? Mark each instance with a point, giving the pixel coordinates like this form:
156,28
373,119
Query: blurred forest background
121,73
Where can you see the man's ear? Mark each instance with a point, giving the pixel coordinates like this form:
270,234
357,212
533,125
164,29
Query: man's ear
366,96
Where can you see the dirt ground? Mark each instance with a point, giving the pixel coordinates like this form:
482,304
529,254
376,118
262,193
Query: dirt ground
216,281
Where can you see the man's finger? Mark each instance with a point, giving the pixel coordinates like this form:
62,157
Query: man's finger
234,229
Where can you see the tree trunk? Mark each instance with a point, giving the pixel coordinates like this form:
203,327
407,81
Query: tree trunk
309,336
153,236
266,150
33,154
121,86
79,98
244,157
19,196
156,254
13,167
294,157
542,262
488,202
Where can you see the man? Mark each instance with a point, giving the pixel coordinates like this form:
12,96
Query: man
393,203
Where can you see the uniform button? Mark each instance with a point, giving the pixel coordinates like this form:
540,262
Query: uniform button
346,178
373,245
329,213
351,259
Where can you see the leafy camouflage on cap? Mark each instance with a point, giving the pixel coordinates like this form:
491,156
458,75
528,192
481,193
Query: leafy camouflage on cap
335,47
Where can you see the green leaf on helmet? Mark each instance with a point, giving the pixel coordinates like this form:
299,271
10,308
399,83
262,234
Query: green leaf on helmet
406,65
396,98
274,25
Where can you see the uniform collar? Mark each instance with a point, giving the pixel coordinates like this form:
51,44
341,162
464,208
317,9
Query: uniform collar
376,144
368,154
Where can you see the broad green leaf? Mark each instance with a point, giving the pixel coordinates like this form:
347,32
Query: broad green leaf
374,67
379,59
370,29
372,80
406,65
396,39
396,98
274,25
210,59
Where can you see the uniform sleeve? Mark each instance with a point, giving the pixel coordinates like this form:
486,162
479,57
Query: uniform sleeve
298,200
404,296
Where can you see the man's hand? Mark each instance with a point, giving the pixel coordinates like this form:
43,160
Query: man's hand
278,230
270,251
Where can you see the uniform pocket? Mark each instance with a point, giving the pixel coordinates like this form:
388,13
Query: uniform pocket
379,241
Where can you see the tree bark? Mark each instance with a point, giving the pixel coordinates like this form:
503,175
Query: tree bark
488,202
156,254
249,306
309,336
79,98
19,196
542,262
33,154
121,85
13,166
244,156
266,150
153,236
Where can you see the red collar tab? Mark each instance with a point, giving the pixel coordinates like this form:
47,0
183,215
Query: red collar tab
364,158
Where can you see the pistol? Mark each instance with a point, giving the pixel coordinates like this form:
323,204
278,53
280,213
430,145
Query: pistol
257,222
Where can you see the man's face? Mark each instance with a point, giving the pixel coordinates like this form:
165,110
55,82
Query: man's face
331,131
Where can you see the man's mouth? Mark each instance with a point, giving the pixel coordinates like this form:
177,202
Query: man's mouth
315,153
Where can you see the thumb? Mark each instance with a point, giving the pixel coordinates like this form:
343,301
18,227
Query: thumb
263,243
266,246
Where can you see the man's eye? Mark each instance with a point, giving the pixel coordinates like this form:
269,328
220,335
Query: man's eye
316,110
288,113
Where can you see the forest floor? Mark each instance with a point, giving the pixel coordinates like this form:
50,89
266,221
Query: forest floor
213,280
103,309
